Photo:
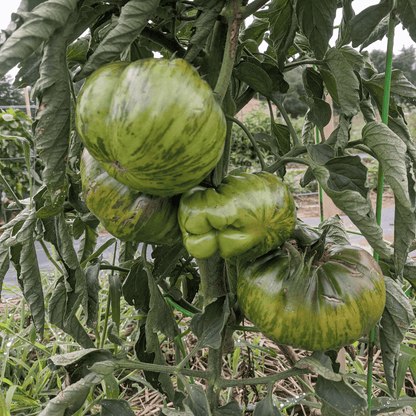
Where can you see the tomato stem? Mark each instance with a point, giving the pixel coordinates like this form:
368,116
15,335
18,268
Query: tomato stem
293,372
234,18
288,122
252,140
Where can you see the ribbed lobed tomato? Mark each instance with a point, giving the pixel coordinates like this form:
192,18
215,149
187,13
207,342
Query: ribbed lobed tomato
248,215
316,308
153,124
127,214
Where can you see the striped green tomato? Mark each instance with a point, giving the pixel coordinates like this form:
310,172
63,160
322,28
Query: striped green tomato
312,307
127,214
248,215
153,124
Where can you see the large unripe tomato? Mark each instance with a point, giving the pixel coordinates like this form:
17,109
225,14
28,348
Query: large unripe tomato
245,215
154,124
127,214
316,308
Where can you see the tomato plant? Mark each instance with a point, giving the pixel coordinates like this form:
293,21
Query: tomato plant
153,90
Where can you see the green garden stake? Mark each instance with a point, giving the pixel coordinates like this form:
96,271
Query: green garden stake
380,179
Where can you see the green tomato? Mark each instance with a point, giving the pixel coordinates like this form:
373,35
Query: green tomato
153,124
245,215
312,307
127,214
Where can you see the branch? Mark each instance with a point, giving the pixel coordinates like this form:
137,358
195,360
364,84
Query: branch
161,40
253,7
251,138
234,19
288,123
262,380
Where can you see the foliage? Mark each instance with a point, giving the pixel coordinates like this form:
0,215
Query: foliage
9,95
15,138
404,61
59,43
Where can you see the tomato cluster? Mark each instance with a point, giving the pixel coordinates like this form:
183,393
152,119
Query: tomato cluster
153,131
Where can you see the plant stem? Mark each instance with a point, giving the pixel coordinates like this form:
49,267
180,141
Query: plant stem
380,182
50,258
185,361
289,124
234,18
253,7
10,190
244,99
213,278
214,367
290,157
160,368
252,140
295,64
293,372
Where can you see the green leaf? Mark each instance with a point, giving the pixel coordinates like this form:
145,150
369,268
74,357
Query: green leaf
313,83
282,27
52,128
255,77
282,134
320,111
316,20
363,24
86,357
399,126
203,27
159,381
77,51
119,407
114,291
172,412
406,10
266,407
57,310
335,230
27,268
40,24
409,273
344,35
87,243
390,151
407,360
256,30
4,261
70,400
136,288
342,82
404,234
92,272
267,142
395,322
166,258
208,325
99,251
379,32
197,400
230,409
387,404
134,17
343,180
340,397
400,86
312,364
3,407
